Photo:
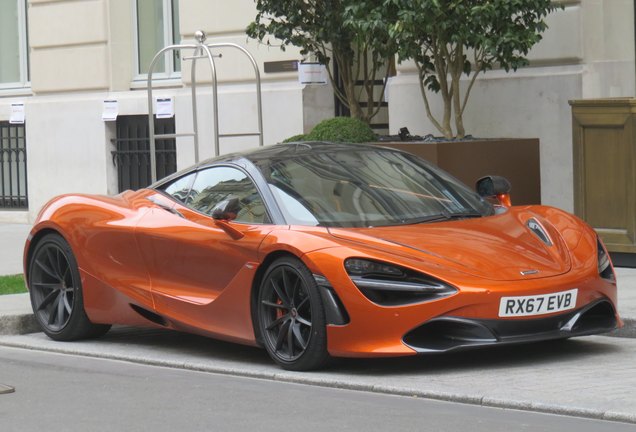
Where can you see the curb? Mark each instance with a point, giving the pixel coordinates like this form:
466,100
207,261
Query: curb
628,330
18,324
304,379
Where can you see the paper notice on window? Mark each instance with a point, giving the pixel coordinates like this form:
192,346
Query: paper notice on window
165,108
312,73
110,110
17,113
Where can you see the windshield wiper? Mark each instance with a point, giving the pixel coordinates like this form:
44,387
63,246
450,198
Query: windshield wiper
444,216
462,215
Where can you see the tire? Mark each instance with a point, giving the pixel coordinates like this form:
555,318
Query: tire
291,317
56,292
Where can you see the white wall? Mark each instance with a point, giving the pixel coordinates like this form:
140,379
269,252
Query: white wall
66,147
282,118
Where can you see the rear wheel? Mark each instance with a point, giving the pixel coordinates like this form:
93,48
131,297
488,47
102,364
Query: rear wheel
291,317
56,292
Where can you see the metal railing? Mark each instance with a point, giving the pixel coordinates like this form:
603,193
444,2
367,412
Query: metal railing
201,50
13,167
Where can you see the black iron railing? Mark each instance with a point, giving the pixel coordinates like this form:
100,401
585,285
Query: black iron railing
132,156
13,167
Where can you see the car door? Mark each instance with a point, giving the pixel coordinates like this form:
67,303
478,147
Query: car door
195,261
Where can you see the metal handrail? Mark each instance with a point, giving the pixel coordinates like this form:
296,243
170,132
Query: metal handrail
201,50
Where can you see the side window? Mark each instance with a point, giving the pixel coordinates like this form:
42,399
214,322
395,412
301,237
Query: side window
179,188
218,184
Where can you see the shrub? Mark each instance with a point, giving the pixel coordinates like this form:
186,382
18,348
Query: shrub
296,138
342,129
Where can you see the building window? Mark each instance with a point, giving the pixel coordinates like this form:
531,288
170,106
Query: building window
157,27
132,154
13,168
14,61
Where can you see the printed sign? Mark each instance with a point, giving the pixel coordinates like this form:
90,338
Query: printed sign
164,108
312,73
17,113
110,110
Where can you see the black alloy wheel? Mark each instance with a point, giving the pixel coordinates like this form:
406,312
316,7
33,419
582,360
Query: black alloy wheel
291,318
56,292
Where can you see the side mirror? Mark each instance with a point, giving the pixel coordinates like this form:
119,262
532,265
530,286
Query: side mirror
223,213
495,187
226,209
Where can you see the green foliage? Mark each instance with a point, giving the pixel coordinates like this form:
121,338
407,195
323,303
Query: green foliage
12,284
449,38
318,28
296,138
342,129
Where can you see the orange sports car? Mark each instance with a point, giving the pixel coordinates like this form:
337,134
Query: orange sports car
314,250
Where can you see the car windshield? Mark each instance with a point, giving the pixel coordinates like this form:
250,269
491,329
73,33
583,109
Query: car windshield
366,187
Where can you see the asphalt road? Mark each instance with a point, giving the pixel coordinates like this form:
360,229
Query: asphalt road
61,392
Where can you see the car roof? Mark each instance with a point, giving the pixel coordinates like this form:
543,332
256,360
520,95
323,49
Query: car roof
276,151
287,150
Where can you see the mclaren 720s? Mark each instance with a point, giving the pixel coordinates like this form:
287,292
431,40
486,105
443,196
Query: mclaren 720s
318,250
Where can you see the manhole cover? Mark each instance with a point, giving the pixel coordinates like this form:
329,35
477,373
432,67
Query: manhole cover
6,389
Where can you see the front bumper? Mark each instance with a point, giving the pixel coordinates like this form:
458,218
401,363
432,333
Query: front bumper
449,333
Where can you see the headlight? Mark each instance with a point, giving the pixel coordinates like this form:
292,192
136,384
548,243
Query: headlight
605,269
390,285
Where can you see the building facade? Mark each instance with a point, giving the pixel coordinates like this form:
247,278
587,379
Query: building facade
61,59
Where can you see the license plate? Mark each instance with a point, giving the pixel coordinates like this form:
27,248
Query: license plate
537,305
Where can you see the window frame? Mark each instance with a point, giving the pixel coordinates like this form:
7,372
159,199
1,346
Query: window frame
195,173
168,39
23,46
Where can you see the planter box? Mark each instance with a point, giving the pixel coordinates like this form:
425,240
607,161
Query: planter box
604,149
515,159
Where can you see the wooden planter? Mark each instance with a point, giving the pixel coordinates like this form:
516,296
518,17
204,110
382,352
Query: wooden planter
515,159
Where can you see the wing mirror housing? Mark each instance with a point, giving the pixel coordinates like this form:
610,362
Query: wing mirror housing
223,213
495,187
226,210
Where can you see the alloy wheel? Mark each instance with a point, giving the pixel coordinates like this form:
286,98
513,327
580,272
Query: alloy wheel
52,287
285,313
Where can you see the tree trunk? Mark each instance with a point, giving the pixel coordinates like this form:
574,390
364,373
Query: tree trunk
345,67
457,107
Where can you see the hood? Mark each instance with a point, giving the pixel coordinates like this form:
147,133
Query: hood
515,245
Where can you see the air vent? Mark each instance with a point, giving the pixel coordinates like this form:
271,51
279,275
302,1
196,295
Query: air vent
150,316
534,226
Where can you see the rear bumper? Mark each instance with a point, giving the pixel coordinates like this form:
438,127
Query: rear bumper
449,333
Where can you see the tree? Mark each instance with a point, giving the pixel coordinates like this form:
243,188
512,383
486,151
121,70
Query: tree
450,38
318,27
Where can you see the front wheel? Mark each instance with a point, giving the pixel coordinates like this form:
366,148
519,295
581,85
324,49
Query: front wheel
291,317
56,292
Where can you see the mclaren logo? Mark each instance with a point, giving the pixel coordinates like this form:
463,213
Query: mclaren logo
528,272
